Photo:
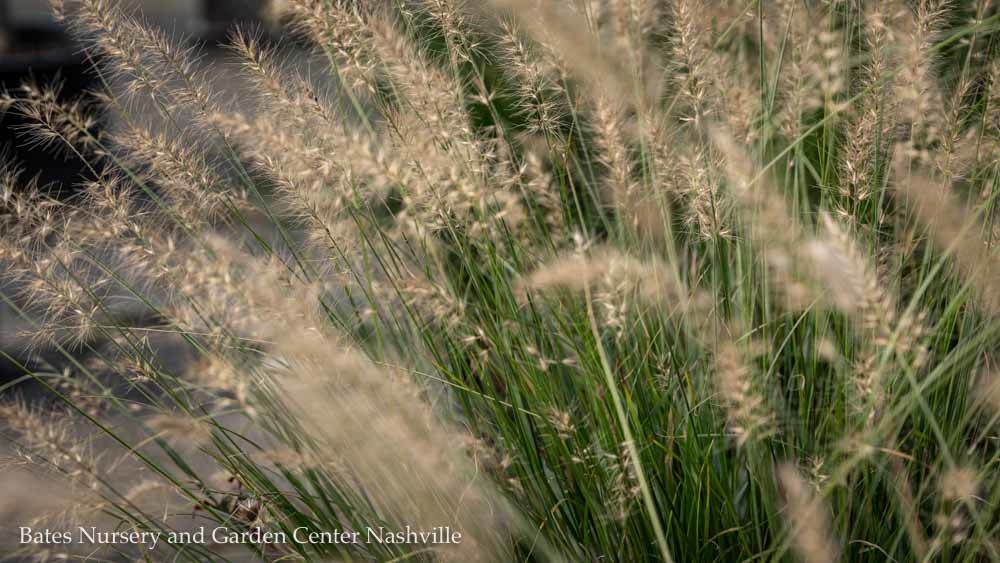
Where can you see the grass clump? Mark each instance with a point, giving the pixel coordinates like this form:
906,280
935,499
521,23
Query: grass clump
632,280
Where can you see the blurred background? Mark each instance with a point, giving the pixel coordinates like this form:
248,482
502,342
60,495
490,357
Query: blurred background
34,46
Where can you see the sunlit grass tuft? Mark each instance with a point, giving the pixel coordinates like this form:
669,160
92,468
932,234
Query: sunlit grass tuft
623,280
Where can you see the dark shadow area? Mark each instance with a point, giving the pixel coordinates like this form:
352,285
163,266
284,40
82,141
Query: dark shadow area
46,56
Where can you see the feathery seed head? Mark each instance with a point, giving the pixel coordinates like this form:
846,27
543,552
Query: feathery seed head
810,525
